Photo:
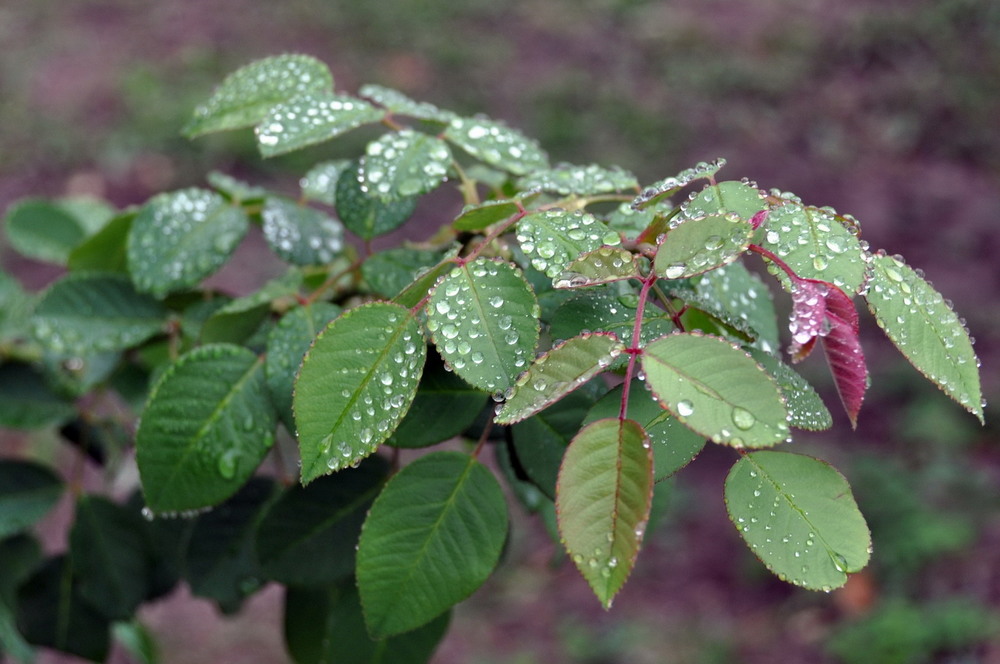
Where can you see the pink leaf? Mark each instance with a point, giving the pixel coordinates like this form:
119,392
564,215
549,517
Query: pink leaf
758,219
820,309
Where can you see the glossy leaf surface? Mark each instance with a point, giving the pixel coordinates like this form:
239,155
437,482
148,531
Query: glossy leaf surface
246,95
483,318
552,239
603,499
312,118
797,514
432,537
716,390
179,238
925,329
208,423
558,372
355,385
87,313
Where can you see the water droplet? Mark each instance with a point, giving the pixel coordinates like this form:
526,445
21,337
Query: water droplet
685,408
743,418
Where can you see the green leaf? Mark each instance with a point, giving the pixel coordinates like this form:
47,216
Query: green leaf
111,556
43,230
602,266
444,407
389,272
237,320
558,372
27,492
16,308
312,118
797,514
178,238
478,217
816,244
27,401
698,245
365,214
327,626
607,312
320,183
403,164
301,235
716,389
246,95
235,190
540,441
925,329
287,344
52,613
669,186
553,239
497,144
19,556
105,251
206,427
587,180
400,104
483,318
674,445
355,385
736,292
738,198
805,408
603,499
90,312
425,280
308,535
221,561
432,537
626,219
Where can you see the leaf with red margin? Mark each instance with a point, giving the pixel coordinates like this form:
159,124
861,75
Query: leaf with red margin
821,309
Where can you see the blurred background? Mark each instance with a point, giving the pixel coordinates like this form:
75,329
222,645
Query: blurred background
886,110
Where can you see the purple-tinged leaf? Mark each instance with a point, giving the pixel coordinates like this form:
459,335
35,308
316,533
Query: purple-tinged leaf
843,352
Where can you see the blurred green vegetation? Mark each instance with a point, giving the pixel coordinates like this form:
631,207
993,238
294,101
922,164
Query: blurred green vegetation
791,92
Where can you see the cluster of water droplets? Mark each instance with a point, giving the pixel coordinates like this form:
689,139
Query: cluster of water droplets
670,185
404,163
311,118
320,183
597,267
808,318
739,298
497,144
569,179
301,235
686,254
180,237
905,304
554,238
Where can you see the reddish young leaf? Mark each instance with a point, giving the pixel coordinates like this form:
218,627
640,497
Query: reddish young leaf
820,309
843,352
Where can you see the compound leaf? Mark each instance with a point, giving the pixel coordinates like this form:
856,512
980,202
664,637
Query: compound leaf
552,239
797,514
603,500
355,385
558,372
698,245
716,389
308,535
432,537
312,118
178,238
925,329
86,313
496,144
483,318
299,234
27,492
207,425
245,96
403,164
111,556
